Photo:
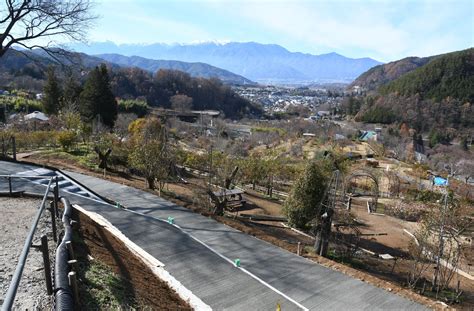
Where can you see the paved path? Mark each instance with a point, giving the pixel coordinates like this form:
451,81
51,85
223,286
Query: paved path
199,254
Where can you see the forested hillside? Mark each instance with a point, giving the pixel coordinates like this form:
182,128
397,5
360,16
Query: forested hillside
159,88
438,94
449,75
385,73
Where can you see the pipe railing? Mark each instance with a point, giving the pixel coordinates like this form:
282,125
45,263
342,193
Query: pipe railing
15,282
66,288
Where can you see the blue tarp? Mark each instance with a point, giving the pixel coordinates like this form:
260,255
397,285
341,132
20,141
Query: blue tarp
367,135
440,181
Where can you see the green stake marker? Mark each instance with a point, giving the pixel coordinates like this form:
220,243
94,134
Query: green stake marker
170,220
237,262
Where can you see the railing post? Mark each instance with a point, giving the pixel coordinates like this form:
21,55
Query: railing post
53,221
14,147
70,250
73,284
47,265
56,197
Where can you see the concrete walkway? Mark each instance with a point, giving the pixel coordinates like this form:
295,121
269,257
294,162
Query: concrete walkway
200,254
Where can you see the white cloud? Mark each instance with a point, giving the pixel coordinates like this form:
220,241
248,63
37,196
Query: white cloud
379,28
384,30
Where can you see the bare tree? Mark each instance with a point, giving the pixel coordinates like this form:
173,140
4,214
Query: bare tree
181,102
438,240
28,23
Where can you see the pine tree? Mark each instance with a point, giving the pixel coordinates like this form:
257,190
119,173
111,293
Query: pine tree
97,98
72,91
51,93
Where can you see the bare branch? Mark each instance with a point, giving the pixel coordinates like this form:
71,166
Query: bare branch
28,20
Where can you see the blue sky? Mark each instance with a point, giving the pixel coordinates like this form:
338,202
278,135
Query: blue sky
384,30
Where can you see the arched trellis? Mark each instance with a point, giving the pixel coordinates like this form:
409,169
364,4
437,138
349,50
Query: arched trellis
393,183
373,191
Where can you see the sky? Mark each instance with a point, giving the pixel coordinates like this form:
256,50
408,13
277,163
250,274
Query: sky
383,30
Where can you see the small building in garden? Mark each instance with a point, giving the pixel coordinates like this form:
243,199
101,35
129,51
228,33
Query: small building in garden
36,118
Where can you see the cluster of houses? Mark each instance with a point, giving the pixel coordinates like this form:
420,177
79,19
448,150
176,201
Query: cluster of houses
281,99
37,96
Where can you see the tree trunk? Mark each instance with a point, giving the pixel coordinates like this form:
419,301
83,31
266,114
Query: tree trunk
321,244
151,182
103,157
228,180
219,205
318,240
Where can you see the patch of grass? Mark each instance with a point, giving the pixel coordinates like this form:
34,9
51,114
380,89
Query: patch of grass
100,288
380,208
348,261
81,154
260,129
104,289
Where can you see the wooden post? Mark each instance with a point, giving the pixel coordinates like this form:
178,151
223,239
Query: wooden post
73,284
71,250
56,198
394,263
14,147
47,265
326,231
298,250
73,264
53,221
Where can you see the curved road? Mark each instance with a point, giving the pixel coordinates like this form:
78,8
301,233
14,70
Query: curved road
200,253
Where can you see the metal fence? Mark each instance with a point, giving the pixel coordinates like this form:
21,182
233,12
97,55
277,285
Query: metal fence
52,187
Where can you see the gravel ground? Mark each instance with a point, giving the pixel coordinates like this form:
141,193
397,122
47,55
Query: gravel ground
17,214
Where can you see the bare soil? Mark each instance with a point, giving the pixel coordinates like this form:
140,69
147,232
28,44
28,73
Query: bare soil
149,291
15,223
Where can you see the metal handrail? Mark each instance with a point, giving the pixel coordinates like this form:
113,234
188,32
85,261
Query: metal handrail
25,176
12,289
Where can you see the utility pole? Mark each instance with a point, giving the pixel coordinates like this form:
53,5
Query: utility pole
441,238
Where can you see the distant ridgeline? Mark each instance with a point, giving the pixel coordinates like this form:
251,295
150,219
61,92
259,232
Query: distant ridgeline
426,93
27,71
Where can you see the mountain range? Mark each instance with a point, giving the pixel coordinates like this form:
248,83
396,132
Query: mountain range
194,69
264,63
34,63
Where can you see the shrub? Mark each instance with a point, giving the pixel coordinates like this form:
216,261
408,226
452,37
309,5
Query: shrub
425,196
408,211
66,139
138,107
31,140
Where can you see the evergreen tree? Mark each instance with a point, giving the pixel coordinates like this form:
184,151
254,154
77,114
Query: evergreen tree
51,93
307,194
72,90
97,98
